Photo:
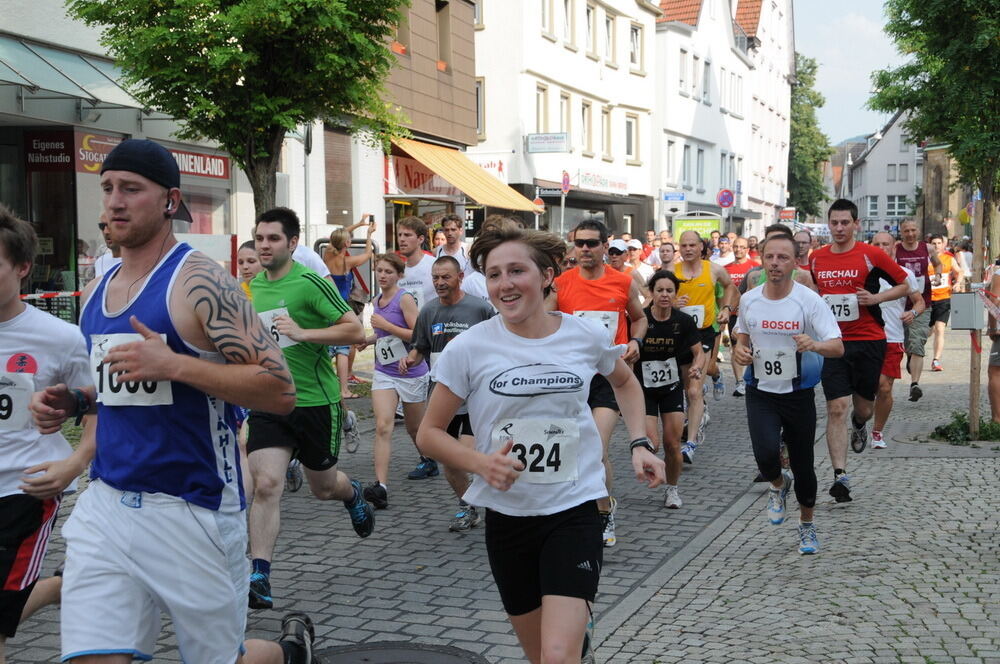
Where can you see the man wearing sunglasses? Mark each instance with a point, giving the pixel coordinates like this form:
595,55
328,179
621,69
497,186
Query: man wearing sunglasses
110,258
594,290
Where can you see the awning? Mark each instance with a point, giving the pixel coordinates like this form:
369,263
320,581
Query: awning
467,176
64,73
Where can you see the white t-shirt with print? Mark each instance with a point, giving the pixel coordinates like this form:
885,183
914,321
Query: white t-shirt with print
892,310
37,350
541,385
417,281
311,260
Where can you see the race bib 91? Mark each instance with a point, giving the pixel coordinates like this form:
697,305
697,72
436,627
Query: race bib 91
843,305
15,395
546,448
659,373
267,318
111,391
389,350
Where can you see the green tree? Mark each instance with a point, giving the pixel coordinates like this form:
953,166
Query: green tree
243,72
949,86
809,147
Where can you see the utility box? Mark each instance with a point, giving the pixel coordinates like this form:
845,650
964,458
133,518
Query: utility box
967,312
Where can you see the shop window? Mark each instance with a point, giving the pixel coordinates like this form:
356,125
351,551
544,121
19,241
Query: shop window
401,44
442,10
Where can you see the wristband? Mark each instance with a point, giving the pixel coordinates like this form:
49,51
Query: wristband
637,340
82,404
641,442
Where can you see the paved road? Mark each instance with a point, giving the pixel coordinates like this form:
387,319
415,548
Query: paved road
908,572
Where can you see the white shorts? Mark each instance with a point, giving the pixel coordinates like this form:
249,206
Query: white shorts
131,556
410,390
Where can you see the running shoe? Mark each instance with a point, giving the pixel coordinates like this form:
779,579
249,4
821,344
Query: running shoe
377,495
587,656
841,489
426,468
936,365
354,380
672,500
467,517
260,592
776,500
718,389
859,437
297,629
609,525
741,389
350,428
687,451
878,443
915,392
293,476
808,541
362,514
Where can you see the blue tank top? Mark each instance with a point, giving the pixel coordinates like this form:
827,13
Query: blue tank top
186,448
393,313
344,284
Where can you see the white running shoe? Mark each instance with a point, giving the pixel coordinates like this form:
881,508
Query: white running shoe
673,499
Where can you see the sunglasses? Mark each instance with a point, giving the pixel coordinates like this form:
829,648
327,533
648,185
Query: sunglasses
615,252
590,244
569,261
102,225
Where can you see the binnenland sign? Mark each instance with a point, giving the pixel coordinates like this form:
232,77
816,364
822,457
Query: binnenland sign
203,165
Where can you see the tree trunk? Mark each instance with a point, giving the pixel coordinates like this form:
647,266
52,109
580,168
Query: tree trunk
261,170
982,230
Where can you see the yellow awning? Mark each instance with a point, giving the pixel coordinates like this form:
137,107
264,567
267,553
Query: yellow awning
467,176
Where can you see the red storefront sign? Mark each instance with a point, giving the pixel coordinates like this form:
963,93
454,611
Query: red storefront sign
92,149
203,165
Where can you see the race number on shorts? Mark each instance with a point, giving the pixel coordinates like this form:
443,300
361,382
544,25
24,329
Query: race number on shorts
659,373
843,305
546,448
267,318
609,319
111,391
389,350
15,395
697,312
774,364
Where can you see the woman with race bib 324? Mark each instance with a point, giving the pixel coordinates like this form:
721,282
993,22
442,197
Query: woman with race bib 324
525,376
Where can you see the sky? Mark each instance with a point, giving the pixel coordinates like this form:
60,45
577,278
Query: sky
847,41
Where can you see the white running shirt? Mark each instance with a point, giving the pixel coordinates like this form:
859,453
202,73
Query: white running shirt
892,310
417,280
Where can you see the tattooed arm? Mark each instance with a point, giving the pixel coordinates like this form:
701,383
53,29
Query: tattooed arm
211,312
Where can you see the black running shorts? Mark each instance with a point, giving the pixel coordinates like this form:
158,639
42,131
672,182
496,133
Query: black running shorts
857,372
25,525
554,554
602,395
459,426
940,311
660,400
312,432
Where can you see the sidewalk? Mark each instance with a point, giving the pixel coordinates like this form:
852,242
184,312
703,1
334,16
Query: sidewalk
908,572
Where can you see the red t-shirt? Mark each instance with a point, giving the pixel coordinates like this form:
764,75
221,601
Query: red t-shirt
840,276
738,271
576,296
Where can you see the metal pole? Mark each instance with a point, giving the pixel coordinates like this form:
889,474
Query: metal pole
562,215
975,364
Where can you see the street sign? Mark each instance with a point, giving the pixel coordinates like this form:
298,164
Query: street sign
673,196
539,202
787,214
549,191
565,183
739,186
725,198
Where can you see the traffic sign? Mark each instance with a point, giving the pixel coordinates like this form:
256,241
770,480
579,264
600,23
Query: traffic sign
549,191
725,198
787,213
673,196
565,183
540,203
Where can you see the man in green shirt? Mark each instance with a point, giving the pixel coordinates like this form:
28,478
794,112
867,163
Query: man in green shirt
304,314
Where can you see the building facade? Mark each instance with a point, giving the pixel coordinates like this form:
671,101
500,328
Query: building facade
883,180
566,90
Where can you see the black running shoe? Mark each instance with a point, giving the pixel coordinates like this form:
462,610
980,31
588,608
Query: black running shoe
362,514
859,438
841,489
915,392
376,494
297,628
260,592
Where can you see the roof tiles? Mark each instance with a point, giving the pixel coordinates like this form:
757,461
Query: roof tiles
685,11
748,16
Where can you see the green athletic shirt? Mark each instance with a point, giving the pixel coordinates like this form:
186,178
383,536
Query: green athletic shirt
312,302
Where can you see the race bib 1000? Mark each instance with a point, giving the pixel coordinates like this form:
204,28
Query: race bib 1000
111,391
15,395
843,305
546,448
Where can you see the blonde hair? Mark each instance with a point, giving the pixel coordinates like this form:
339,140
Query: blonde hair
339,239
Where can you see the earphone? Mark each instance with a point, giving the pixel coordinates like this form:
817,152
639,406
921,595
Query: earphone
170,206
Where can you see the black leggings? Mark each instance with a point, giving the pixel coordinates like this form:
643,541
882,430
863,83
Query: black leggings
790,417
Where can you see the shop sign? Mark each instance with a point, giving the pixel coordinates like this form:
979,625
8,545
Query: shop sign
202,165
495,166
48,150
412,177
558,142
702,225
603,183
92,149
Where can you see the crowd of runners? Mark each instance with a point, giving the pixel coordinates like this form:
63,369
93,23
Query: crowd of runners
509,361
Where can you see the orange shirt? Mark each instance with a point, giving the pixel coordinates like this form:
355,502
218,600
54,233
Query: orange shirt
941,286
578,296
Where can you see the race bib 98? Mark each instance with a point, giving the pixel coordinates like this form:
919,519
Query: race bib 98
15,395
546,448
773,364
843,305
111,391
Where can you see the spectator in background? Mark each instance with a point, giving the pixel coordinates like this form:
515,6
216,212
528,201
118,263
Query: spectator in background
439,238
110,258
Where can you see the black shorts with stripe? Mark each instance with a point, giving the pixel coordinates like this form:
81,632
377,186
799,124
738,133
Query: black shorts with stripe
312,432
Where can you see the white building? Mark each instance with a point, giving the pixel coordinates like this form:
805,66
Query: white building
703,129
578,77
769,30
882,181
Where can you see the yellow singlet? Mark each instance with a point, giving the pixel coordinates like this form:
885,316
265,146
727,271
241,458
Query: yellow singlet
701,304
